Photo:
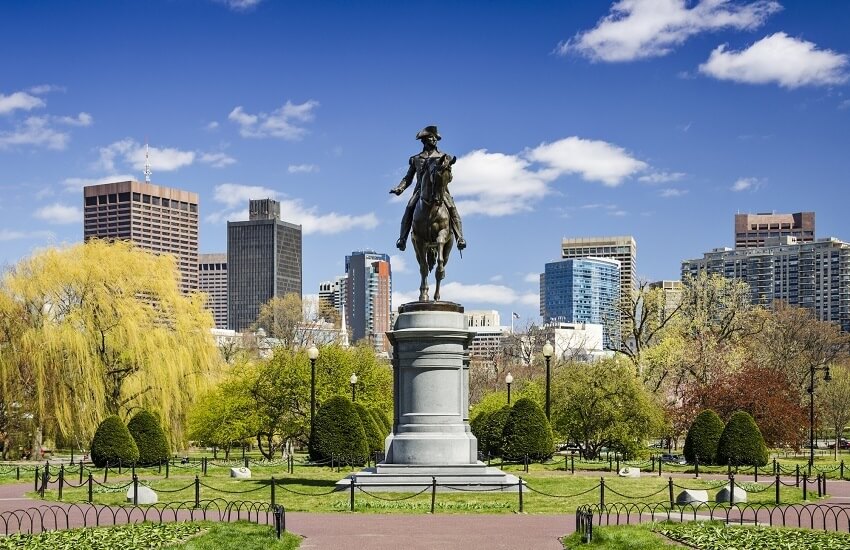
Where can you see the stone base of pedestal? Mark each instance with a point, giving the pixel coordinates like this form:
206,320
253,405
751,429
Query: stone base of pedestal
397,478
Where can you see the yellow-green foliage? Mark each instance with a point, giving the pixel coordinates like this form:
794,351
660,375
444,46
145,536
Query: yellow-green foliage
102,328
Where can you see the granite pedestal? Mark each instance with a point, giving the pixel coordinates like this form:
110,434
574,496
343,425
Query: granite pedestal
431,436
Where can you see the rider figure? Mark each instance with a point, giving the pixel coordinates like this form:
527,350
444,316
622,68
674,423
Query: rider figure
429,137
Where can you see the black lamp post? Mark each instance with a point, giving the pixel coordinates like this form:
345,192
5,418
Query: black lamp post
353,381
548,350
313,354
509,379
811,390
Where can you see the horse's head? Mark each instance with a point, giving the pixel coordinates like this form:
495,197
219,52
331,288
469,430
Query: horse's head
439,175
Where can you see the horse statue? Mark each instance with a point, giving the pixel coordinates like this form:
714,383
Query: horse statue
433,238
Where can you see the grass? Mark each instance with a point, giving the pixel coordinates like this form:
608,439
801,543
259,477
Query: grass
314,481
239,536
141,536
624,537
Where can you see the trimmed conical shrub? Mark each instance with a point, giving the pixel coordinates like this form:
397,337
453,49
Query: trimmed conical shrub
741,443
382,421
374,435
149,437
527,432
339,433
492,425
703,437
112,444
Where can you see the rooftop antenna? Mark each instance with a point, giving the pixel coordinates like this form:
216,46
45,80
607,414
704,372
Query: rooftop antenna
147,163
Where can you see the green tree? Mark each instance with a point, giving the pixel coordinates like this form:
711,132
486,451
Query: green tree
703,437
102,328
527,432
224,413
834,401
603,404
741,443
339,433
149,437
112,444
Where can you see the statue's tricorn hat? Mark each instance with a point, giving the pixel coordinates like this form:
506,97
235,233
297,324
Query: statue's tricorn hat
428,131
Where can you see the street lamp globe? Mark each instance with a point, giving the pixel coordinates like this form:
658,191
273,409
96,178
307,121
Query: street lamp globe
548,350
353,379
313,352
509,379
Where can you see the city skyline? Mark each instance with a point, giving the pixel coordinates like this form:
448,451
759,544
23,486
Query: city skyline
567,120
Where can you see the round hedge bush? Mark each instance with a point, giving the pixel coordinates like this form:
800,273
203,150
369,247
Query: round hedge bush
374,436
492,425
527,432
112,444
382,421
703,437
339,433
149,437
741,443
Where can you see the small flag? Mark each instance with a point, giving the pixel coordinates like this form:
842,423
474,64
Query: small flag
515,314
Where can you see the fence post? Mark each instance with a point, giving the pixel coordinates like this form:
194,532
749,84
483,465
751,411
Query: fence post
824,484
61,479
696,466
729,467
272,490
797,475
159,468
80,464
18,472
670,490
433,492
278,512
778,483
602,492
756,470
609,462
573,462
805,486
167,467
72,455
119,466
105,472
520,496
842,469
652,468
526,463
133,469
135,490
36,479
45,479
820,494
617,457
775,466
91,483
351,497
810,470
197,492
731,489
659,466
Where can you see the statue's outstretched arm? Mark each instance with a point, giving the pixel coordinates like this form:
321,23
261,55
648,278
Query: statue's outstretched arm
406,180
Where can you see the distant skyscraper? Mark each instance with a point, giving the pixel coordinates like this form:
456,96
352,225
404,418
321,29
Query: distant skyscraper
212,280
672,291
263,261
332,294
153,217
582,290
368,290
811,275
753,230
622,249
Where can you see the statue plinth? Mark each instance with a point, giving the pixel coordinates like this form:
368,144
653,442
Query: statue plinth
431,434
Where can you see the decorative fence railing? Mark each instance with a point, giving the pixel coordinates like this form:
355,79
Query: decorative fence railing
68,516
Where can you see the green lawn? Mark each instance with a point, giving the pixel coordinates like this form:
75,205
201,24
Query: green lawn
624,537
316,484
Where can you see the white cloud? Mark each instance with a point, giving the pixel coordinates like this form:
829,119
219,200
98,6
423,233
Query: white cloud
639,29
76,184
597,206
530,299
217,160
672,193
34,131
12,235
19,101
745,184
618,213
400,297
212,126
46,88
285,122
593,160
844,104
234,196
302,168
532,278
662,177
781,59
82,119
398,263
496,278
59,214
240,5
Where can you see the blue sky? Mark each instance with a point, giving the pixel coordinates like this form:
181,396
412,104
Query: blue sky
659,119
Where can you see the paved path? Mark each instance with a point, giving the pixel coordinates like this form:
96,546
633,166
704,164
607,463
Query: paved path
414,532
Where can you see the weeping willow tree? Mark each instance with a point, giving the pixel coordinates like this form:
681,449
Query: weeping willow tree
98,329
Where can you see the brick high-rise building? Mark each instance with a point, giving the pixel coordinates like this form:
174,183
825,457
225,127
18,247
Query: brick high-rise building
368,290
156,218
212,280
753,230
263,261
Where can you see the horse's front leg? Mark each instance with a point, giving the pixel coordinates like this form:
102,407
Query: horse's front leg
440,272
423,284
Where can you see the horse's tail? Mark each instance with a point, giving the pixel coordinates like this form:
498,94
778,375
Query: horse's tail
432,258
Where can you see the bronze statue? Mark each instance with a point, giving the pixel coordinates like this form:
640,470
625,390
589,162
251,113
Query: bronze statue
431,211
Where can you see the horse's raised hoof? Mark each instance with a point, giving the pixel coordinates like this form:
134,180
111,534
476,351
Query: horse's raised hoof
401,244
461,243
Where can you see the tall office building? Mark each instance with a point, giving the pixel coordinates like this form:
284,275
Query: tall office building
368,290
212,280
583,290
672,294
332,294
623,249
263,261
153,217
753,230
813,275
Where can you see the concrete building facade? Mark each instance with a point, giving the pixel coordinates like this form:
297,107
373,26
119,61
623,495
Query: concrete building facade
264,260
753,230
622,248
368,293
153,217
212,280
